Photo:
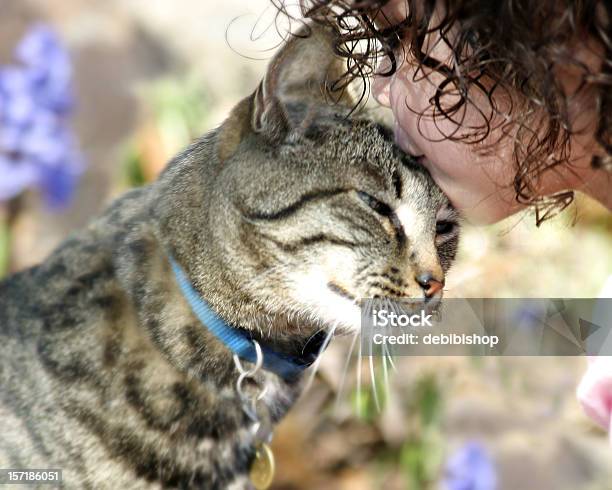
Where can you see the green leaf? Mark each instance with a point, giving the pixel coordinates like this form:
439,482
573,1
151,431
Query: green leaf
4,248
132,169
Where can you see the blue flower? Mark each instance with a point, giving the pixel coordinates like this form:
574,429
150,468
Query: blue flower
470,468
37,147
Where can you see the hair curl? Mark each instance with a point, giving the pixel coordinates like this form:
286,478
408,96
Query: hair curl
503,47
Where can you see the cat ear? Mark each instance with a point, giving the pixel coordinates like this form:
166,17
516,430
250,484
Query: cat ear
300,81
241,122
298,85
234,129
268,115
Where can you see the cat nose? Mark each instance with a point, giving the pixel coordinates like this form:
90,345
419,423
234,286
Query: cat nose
429,284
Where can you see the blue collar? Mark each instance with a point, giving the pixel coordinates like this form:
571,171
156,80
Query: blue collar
240,342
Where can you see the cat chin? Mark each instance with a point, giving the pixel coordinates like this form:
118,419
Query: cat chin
336,311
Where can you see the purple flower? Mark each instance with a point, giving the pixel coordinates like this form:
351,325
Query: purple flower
37,147
470,468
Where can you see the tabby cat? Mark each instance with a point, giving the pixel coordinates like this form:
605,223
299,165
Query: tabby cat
282,220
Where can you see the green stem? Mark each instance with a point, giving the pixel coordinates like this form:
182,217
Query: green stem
4,243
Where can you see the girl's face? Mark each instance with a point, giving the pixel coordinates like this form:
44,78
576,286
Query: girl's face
478,182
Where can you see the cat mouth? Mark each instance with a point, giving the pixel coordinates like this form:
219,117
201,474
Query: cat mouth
342,291
336,288
428,305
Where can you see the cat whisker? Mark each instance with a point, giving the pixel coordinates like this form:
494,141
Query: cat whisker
358,397
322,329
385,356
389,358
315,366
373,379
345,372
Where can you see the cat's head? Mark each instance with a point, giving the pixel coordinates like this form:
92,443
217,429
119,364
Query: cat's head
311,211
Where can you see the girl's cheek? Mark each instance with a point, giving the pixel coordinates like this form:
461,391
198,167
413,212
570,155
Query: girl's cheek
381,87
477,185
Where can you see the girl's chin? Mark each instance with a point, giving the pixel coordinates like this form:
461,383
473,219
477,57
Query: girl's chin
405,142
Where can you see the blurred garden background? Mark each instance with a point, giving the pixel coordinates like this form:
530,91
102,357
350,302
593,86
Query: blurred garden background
112,89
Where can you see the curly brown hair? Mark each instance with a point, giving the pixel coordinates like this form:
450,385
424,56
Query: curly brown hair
499,47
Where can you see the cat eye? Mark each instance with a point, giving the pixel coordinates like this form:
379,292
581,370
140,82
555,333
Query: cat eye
375,204
445,227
